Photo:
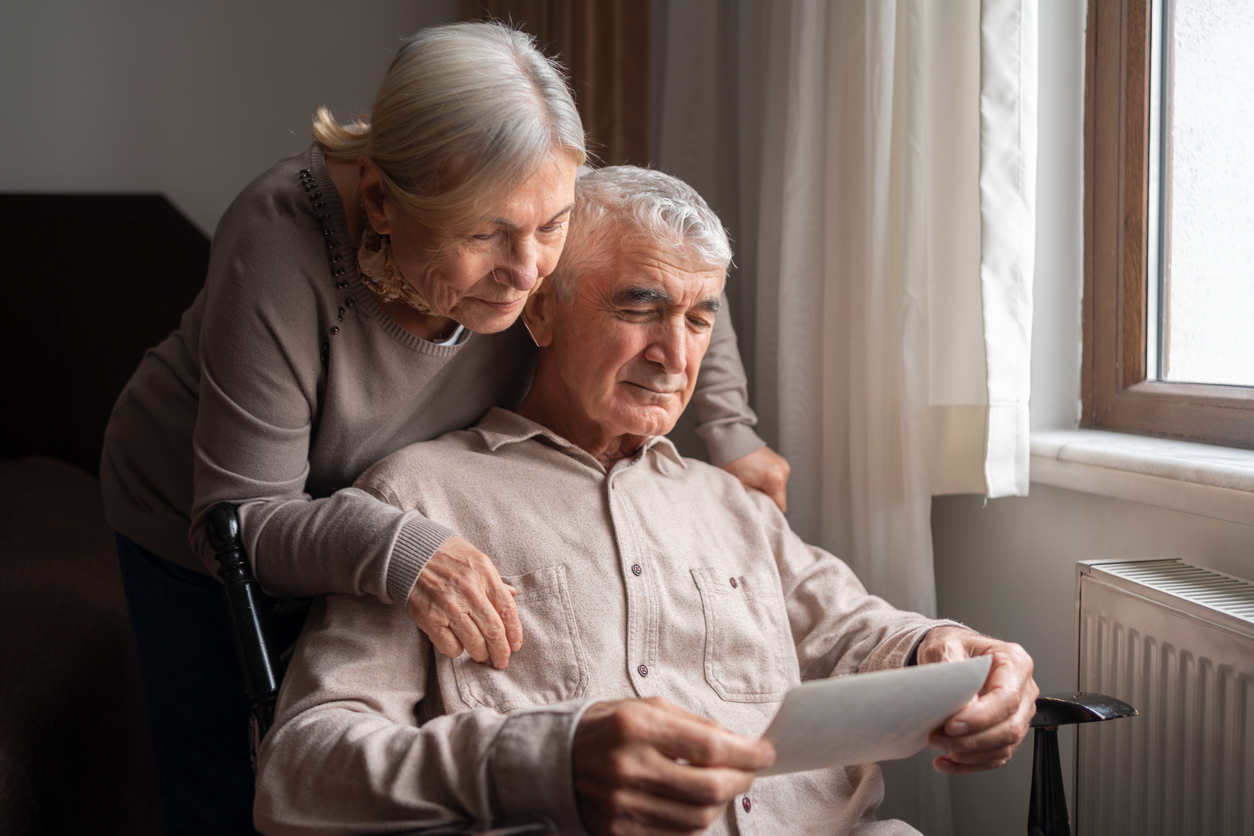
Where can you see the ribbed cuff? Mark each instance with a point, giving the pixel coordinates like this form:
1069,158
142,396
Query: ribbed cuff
531,766
728,442
417,539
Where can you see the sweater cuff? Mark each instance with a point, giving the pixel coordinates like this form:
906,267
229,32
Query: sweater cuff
531,767
728,442
417,539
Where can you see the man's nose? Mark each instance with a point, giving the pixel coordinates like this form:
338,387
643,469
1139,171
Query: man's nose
669,348
522,271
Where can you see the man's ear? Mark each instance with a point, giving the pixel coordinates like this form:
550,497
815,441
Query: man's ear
538,313
374,196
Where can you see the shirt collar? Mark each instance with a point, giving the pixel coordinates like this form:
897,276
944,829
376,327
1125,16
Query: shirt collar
500,427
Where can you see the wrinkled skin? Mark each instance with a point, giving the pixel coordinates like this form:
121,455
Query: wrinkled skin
650,767
985,732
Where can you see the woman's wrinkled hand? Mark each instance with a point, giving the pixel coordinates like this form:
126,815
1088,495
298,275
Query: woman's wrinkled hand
763,470
461,603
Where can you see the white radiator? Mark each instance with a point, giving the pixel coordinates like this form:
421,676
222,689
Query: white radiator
1177,643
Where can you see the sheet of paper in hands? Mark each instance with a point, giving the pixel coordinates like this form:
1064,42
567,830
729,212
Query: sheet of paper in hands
869,717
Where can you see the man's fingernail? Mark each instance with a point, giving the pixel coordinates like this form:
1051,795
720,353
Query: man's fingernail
956,728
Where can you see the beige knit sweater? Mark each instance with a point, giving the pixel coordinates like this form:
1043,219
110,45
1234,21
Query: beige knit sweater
285,381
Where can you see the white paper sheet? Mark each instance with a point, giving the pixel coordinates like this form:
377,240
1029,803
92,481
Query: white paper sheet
869,717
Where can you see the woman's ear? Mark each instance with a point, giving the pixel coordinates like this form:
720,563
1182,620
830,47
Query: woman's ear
537,314
374,195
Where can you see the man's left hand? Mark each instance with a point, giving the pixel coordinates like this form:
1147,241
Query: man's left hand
763,470
984,733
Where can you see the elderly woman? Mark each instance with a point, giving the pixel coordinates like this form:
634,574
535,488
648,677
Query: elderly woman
361,296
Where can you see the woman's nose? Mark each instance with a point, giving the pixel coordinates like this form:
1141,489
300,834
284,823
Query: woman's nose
522,272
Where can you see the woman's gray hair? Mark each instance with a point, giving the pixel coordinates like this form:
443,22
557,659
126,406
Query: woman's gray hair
465,114
622,201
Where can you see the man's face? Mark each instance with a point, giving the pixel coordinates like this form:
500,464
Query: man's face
628,347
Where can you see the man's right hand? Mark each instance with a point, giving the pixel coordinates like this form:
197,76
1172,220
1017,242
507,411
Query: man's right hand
461,603
648,766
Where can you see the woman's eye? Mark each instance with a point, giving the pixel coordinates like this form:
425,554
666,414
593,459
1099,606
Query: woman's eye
551,228
484,236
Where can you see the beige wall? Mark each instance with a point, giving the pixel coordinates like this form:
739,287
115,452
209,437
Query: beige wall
190,99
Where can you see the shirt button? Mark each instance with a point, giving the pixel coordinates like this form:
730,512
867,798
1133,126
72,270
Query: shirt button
734,584
643,670
746,803
635,569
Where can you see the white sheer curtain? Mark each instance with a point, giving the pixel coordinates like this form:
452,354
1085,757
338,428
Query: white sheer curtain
894,268
876,163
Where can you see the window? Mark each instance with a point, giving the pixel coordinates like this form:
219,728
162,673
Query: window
1168,298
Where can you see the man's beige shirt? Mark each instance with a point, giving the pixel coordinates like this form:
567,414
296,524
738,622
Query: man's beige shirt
660,578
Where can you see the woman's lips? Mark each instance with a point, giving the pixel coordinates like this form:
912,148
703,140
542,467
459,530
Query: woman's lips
504,307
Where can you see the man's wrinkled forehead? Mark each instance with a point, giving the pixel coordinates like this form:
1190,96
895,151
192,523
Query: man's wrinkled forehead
647,271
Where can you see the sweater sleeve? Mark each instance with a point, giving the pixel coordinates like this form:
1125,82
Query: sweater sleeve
350,753
260,398
721,399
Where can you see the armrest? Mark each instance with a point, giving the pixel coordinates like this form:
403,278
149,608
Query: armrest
1069,707
1047,811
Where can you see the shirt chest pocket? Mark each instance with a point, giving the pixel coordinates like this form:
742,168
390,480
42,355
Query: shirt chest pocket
550,667
749,653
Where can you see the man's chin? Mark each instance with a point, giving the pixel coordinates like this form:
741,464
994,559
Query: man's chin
651,419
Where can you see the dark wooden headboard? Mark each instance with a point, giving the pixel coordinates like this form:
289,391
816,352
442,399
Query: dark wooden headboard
89,283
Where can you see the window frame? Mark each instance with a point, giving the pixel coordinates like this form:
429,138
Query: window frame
1115,394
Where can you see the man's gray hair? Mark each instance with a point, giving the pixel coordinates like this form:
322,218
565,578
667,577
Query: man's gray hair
622,201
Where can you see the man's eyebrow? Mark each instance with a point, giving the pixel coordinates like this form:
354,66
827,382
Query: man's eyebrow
564,210
712,304
641,295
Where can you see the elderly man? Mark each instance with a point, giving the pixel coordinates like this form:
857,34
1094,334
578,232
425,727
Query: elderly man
666,610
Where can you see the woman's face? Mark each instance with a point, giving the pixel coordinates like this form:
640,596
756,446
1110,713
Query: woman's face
482,277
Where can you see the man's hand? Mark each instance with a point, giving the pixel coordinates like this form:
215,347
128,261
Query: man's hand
648,766
984,733
763,470
461,603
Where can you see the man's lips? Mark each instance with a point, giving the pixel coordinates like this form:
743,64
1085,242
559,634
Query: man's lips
655,388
